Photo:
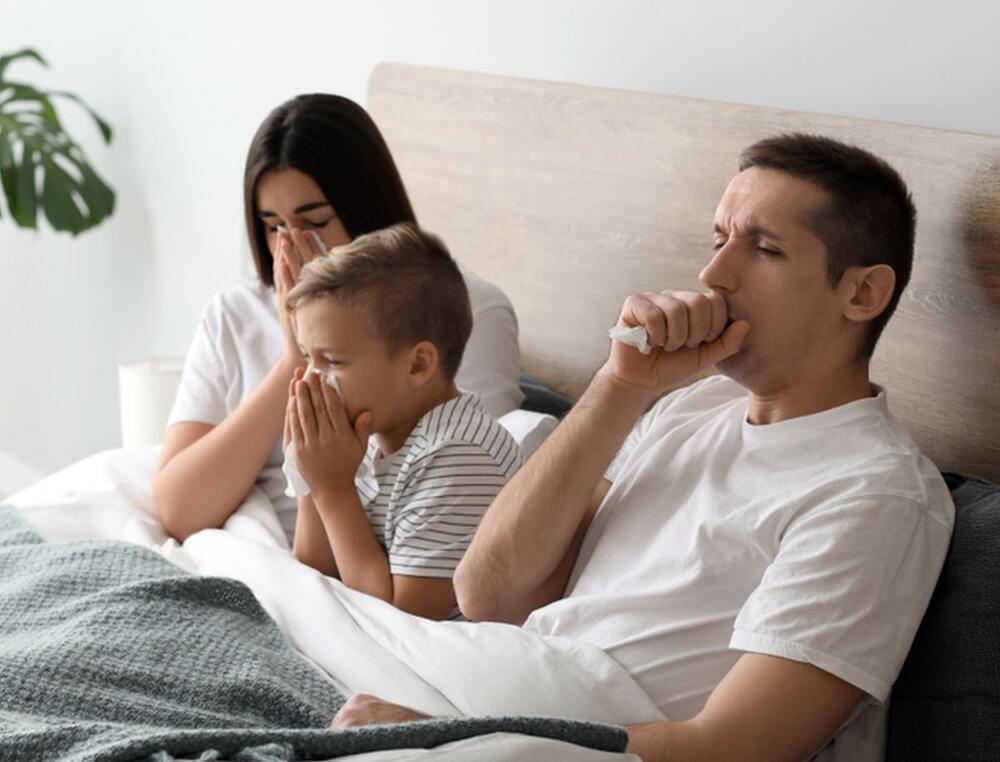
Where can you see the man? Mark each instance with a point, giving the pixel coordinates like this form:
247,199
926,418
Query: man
767,539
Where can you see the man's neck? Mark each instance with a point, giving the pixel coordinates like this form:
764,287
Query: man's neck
822,390
391,440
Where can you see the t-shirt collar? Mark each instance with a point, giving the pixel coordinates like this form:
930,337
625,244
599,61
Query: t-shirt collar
841,415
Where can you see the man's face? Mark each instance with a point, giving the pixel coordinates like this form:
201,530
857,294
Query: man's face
334,337
771,270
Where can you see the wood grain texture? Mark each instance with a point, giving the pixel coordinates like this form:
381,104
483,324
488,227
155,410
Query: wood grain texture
570,197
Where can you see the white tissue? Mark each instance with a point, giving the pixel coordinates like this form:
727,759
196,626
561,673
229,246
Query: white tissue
314,233
297,486
634,337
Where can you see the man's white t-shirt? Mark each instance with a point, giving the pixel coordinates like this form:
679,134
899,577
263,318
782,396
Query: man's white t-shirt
817,539
239,340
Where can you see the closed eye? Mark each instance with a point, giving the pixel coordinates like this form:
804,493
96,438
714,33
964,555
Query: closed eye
313,225
768,252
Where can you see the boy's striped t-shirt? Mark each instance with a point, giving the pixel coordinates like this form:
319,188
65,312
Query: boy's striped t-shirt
425,501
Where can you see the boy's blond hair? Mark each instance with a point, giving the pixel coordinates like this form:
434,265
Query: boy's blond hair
406,282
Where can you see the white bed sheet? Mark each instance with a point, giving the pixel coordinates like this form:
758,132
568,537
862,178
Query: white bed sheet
441,668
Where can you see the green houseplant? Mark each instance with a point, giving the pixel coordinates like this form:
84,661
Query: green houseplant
40,164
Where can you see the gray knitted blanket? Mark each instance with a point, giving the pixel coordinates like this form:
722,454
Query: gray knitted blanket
108,652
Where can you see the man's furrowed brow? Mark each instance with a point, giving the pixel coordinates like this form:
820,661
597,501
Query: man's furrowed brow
755,231
758,231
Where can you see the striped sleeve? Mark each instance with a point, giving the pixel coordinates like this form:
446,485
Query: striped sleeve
445,496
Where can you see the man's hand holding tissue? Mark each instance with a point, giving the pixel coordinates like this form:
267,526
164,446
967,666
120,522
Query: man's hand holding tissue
527,545
328,448
686,332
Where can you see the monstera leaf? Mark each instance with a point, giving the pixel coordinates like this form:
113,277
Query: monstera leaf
40,164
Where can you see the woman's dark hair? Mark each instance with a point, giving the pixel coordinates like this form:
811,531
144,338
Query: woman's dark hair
334,141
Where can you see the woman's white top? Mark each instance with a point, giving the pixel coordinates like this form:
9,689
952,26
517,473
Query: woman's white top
239,341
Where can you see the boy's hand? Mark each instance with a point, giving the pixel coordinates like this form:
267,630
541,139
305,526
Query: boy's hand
328,449
286,436
688,332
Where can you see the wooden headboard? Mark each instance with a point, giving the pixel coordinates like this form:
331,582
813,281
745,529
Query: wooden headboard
570,197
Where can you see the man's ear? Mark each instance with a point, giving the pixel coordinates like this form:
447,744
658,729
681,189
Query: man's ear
870,291
424,362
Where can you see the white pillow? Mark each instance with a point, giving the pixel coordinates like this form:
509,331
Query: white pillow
528,428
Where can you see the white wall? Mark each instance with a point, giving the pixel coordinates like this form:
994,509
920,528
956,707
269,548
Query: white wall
185,84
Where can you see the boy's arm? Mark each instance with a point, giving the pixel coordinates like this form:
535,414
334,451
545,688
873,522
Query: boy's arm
363,564
447,489
311,545
356,550
328,450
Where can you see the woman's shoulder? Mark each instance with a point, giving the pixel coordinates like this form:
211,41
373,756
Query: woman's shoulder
484,295
241,322
244,301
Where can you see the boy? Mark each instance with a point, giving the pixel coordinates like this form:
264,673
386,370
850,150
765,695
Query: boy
384,321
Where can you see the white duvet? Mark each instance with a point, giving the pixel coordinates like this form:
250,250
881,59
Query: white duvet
362,644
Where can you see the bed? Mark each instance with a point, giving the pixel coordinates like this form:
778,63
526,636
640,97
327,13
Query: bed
550,190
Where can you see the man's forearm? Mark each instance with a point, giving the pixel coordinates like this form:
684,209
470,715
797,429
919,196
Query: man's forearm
673,742
531,524
766,709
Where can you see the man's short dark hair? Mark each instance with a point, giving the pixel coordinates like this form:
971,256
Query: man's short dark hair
870,218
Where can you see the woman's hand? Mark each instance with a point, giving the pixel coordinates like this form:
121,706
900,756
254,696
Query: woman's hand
328,449
293,249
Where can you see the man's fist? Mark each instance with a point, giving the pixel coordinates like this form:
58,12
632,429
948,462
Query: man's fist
688,331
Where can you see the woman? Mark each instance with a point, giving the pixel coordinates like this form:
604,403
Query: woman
317,168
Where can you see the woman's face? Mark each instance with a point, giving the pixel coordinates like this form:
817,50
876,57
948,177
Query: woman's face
292,199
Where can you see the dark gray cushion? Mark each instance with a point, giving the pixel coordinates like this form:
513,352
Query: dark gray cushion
541,398
946,703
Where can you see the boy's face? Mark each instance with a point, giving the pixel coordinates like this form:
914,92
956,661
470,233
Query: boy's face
333,337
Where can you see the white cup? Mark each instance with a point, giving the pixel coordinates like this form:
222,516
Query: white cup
146,392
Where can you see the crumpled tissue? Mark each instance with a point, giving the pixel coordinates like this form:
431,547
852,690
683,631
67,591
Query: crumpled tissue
634,337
